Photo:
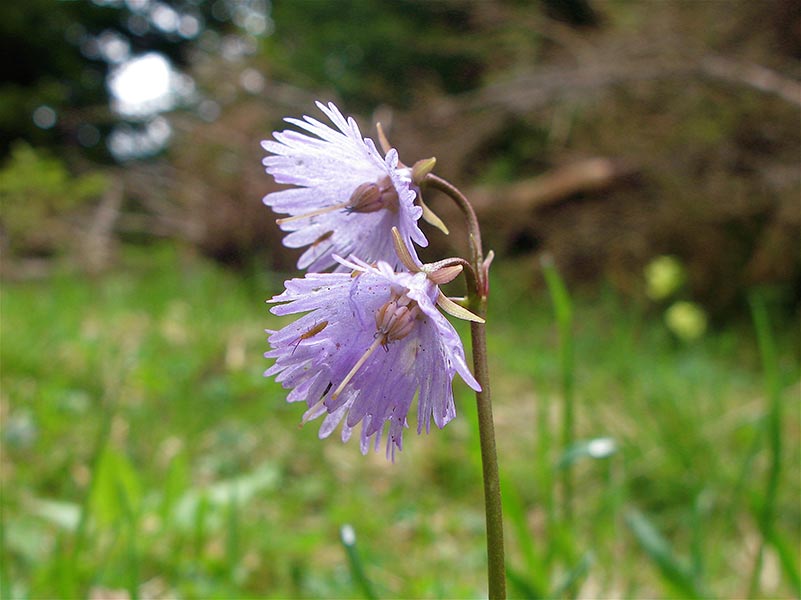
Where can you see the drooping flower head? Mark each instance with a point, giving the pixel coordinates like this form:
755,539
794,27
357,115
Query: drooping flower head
348,197
370,341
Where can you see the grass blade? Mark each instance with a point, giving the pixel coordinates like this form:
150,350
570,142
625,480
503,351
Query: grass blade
789,560
767,352
535,584
563,310
5,577
348,537
766,518
699,514
199,528
524,587
569,585
673,571
233,539
132,553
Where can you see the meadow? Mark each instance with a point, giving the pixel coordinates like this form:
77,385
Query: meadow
145,456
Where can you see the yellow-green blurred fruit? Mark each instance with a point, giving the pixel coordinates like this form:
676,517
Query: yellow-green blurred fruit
687,320
663,276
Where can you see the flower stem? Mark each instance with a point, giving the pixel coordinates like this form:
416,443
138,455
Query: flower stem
473,231
477,292
489,460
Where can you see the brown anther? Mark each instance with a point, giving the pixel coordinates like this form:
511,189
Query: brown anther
372,197
396,318
365,198
393,321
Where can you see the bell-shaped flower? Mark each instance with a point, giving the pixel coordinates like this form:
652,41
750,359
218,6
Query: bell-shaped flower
371,340
347,196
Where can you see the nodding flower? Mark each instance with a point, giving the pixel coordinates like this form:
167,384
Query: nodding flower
346,193
383,342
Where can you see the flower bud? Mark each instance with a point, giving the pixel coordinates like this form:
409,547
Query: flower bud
422,168
445,275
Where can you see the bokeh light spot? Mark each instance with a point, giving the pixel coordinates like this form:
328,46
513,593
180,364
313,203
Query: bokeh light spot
44,117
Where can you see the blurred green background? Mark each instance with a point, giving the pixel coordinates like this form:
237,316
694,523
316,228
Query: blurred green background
635,166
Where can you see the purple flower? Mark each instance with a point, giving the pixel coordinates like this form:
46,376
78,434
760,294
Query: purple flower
370,340
348,197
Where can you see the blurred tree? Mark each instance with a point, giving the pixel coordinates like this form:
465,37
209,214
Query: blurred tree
372,52
47,69
576,12
54,91
37,195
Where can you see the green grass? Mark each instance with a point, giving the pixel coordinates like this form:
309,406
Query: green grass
144,452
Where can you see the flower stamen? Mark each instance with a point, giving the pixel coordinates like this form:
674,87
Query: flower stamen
396,318
378,341
393,321
314,213
366,198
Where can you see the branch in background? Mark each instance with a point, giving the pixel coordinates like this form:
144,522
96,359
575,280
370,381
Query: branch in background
588,175
751,75
540,86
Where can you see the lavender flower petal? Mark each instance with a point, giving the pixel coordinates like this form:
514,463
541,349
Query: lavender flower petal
369,342
328,165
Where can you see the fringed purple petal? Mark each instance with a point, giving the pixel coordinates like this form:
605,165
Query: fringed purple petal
328,164
315,355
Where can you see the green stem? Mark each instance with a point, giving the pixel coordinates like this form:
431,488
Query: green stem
496,574
473,234
477,291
